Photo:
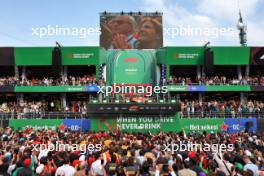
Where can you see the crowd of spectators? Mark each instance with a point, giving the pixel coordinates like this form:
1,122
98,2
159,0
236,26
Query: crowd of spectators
49,81
91,79
193,108
8,80
70,80
230,108
217,80
40,109
129,154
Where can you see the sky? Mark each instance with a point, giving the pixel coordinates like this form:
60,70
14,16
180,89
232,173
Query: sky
185,22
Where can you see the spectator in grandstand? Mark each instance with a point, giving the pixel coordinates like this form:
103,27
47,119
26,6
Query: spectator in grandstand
150,33
72,80
123,30
214,108
216,80
9,80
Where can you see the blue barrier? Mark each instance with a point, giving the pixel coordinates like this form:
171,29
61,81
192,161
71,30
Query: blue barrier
241,124
77,124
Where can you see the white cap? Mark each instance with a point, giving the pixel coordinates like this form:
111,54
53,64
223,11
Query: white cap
179,155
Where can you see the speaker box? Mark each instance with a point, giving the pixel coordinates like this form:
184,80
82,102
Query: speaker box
56,56
208,61
7,57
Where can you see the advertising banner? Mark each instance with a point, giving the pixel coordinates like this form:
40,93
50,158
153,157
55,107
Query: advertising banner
130,30
135,123
231,55
80,55
20,124
174,88
200,125
93,88
182,56
228,88
33,56
53,124
235,125
210,88
77,124
196,88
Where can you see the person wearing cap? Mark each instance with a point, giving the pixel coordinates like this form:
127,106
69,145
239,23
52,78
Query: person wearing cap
249,165
238,169
25,170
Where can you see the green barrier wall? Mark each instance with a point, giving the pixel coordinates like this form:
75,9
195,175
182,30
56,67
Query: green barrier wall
181,56
135,124
35,123
222,88
130,124
154,124
200,125
232,88
231,55
49,89
33,56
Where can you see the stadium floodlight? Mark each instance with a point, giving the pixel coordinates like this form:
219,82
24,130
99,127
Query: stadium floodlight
242,27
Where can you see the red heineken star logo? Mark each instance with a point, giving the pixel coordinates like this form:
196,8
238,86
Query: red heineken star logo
61,127
224,127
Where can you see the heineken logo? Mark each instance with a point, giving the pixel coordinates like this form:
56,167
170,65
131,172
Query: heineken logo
185,55
130,60
80,55
105,124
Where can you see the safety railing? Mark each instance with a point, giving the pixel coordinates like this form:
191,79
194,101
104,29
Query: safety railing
43,115
78,115
212,114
